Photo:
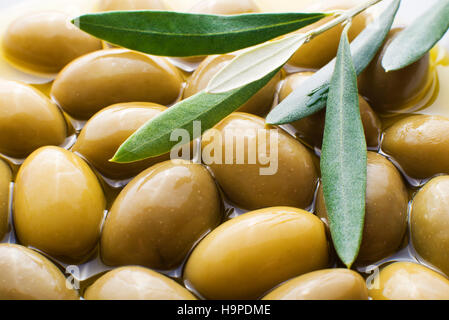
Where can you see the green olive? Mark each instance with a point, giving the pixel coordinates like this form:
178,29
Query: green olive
28,275
290,178
106,77
429,220
259,104
323,48
159,215
247,256
28,120
108,129
328,284
115,5
419,144
409,281
136,283
393,90
46,42
385,211
58,204
311,128
5,181
226,7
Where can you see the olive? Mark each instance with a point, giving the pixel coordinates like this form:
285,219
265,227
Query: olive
108,129
385,210
419,144
106,77
159,215
28,120
248,255
429,220
5,181
116,5
393,90
281,173
226,7
409,281
28,275
327,284
322,49
136,283
311,128
58,204
46,41
259,104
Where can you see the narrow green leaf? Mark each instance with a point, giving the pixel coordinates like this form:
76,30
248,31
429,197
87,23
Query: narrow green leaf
179,34
418,38
255,64
343,158
153,138
312,95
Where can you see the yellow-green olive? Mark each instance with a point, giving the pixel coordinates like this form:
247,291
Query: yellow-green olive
385,211
429,221
322,49
106,77
46,41
419,144
58,204
409,281
115,5
266,168
28,120
159,215
5,181
393,90
136,283
259,104
28,275
108,129
248,255
311,129
226,7
328,284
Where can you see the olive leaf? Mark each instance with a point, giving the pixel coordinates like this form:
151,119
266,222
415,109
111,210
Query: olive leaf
255,64
417,39
343,158
312,95
153,138
179,34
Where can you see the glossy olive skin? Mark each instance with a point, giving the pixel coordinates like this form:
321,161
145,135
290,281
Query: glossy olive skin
108,129
28,275
409,281
107,77
248,255
58,204
322,49
46,41
28,120
259,104
226,7
419,144
385,211
116,5
393,90
5,181
290,179
327,284
159,215
311,129
429,220
136,283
